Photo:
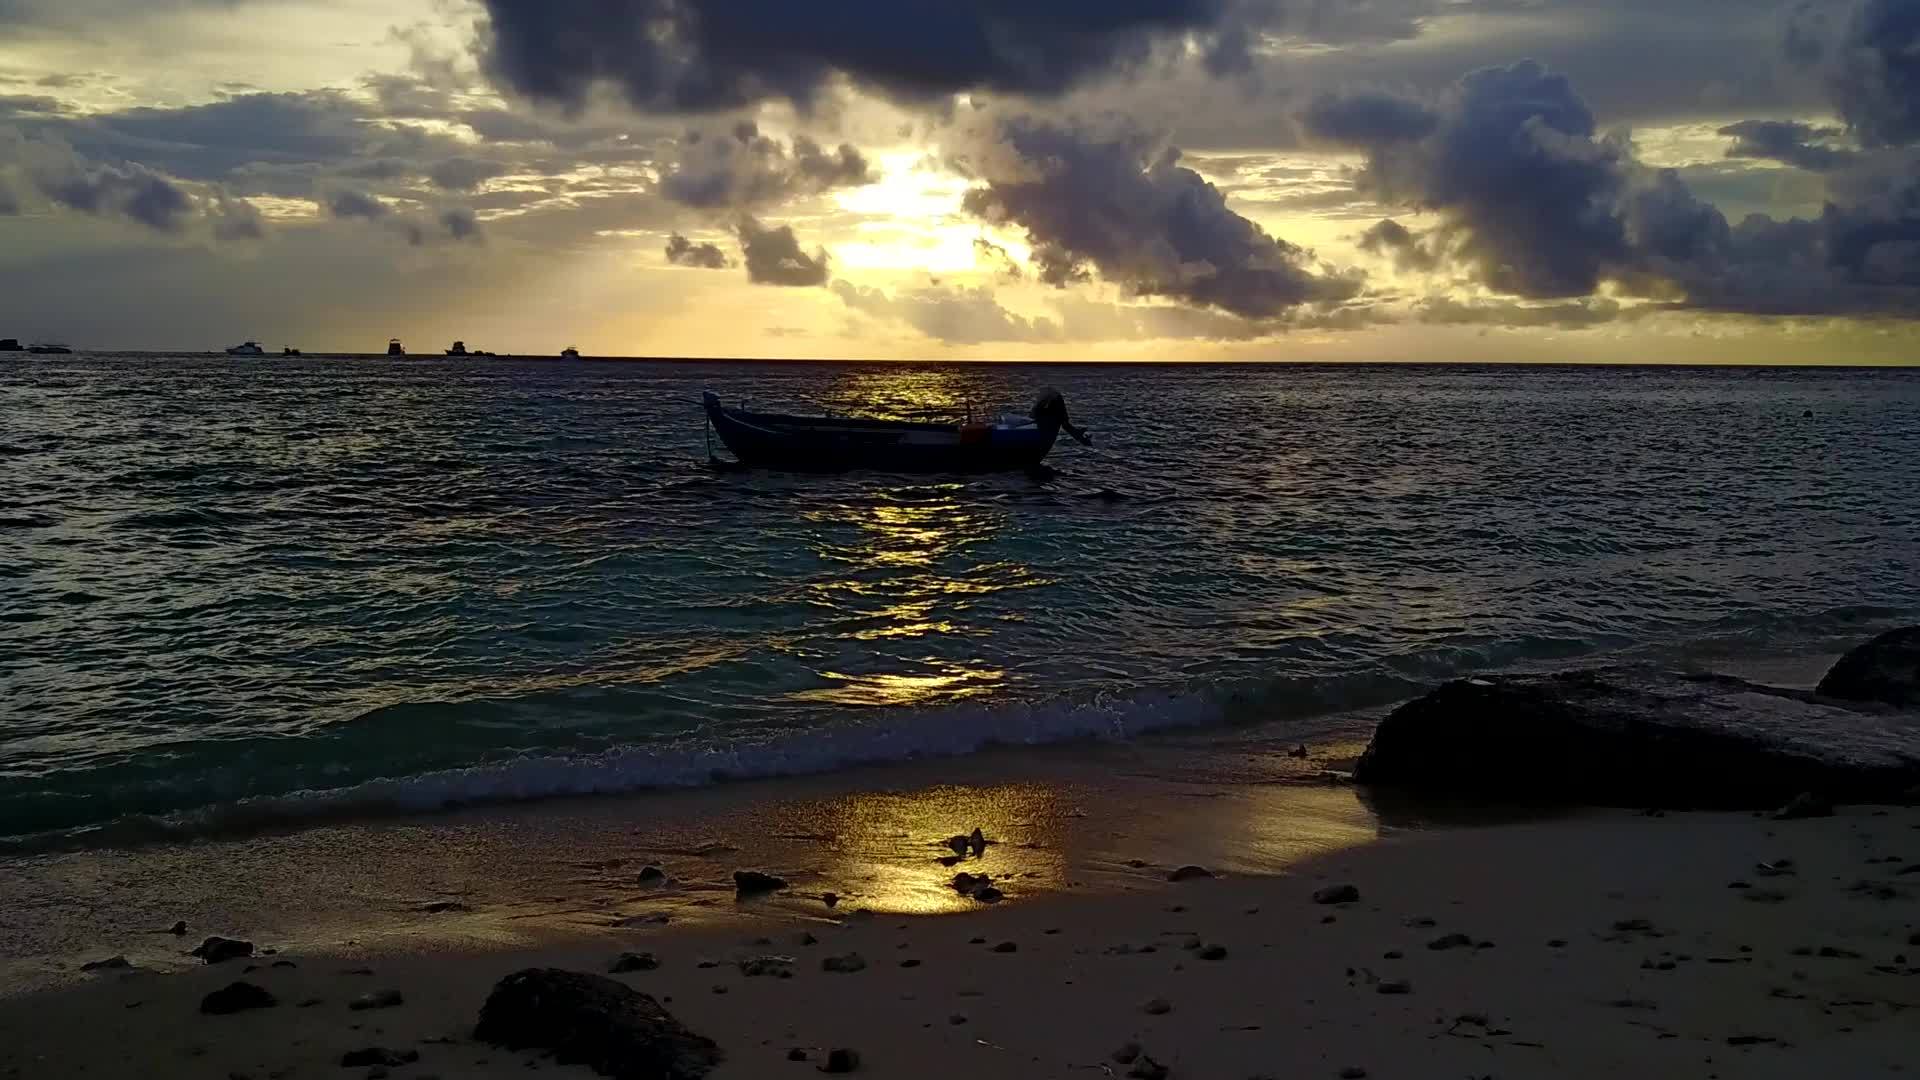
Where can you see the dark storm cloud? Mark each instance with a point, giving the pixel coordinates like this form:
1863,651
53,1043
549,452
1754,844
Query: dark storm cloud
1123,204
684,252
774,257
356,204
746,168
1872,67
1793,143
1527,194
1533,204
703,55
132,192
1368,118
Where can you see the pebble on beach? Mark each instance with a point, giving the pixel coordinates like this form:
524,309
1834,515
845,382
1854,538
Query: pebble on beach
1189,873
377,999
632,961
841,1060
237,997
1337,894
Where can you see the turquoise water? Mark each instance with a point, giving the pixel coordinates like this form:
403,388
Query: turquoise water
271,588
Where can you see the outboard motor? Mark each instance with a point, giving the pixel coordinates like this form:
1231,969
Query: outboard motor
1051,411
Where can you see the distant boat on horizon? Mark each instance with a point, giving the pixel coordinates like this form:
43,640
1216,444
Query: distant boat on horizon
11,345
290,351
246,348
49,349
394,348
459,349
569,353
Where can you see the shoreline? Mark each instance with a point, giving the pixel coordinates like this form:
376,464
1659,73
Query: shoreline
1593,943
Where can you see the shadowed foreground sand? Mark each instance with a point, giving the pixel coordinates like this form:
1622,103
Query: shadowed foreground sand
1601,946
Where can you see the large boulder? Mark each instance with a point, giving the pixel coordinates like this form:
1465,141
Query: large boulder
594,1021
1633,736
1886,669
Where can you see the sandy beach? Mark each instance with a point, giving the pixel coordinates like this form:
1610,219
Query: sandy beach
1681,945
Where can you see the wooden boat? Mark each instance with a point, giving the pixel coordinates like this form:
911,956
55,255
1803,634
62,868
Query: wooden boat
839,443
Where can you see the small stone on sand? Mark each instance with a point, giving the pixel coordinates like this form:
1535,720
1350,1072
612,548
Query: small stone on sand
846,964
796,1054
1394,986
1126,1054
178,929
1147,1069
1006,947
829,899
1337,894
841,1060
633,961
652,875
1450,941
111,963
1157,1007
1353,1072
218,950
237,997
1189,873
1213,952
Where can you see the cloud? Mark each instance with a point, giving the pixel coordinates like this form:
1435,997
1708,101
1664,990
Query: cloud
1788,142
132,192
461,225
464,173
1390,239
747,169
997,257
1871,63
706,55
9,202
356,204
773,256
704,256
1368,119
957,316
1122,203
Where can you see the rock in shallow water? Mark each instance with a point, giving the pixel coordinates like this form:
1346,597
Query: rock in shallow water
754,883
1886,670
593,1021
1630,736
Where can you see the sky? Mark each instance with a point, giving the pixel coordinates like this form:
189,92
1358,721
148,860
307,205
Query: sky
1639,181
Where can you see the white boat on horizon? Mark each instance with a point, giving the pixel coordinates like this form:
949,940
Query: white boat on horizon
247,348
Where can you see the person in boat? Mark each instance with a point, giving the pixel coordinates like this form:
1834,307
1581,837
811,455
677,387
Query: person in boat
1052,409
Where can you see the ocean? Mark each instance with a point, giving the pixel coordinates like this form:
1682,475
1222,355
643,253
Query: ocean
269,590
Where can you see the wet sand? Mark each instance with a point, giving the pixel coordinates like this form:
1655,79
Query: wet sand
1590,945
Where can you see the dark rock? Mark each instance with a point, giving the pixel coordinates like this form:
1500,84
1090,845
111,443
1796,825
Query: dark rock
1145,1068
1126,1054
806,939
796,1054
1298,752
1393,986
1213,952
1450,941
779,967
844,965
178,929
377,999
441,907
1884,670
988,895
285,964
111,963
633,961
910,963
594,1021
378,1055
1189,873
653,875
748,883
1006,947
957,1019
1804,805
237,997
1353,1072
1337,894
218,950
1157,1007
967,884
958,844
977,843
841,1060
1629,736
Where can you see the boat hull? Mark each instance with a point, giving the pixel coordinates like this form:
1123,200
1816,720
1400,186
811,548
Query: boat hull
835,444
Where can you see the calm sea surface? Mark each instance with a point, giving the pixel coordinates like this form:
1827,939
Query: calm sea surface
265,586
